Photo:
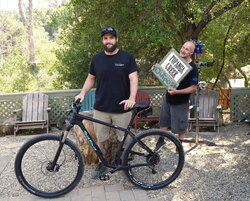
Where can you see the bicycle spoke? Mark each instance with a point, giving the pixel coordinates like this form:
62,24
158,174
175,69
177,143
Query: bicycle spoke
32,167
162,164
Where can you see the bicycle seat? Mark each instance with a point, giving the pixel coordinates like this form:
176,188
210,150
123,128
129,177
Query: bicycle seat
141,106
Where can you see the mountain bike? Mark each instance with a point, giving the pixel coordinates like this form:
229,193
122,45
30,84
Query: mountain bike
51,165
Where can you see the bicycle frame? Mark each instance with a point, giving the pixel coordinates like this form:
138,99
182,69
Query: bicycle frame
77,120
141,157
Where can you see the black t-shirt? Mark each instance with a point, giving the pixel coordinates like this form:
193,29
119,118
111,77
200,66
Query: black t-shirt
112,75
190,79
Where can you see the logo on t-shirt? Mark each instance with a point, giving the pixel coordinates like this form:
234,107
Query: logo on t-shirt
119,65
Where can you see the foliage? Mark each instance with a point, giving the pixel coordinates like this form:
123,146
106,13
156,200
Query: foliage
67,37
236,50
12,62
80,36
16,75
146,29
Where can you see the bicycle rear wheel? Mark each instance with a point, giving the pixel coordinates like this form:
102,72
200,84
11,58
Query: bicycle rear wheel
156,168
35,156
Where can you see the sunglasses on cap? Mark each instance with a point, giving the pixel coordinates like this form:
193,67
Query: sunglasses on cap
107,30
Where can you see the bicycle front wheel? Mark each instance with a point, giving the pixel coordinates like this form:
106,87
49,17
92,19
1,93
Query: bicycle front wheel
34,159
155,159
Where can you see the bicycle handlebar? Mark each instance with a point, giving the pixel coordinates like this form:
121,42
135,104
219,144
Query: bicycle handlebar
140,109
76,106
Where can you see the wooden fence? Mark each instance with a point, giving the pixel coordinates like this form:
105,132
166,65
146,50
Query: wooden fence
224,98
60,101
240,103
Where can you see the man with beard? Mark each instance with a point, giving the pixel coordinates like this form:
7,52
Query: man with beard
174,111
117,82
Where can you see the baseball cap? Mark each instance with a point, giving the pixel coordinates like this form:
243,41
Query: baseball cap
107,30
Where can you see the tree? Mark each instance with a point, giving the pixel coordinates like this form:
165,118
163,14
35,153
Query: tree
227,40
28,24
146,29
13,70
16,74
193,16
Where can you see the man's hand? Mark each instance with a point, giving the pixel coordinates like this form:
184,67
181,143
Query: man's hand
128,104
172,91
153,67
80,96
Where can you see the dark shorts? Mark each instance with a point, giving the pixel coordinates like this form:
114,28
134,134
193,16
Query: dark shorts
174,117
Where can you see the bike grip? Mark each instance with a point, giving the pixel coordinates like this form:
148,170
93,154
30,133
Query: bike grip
78,101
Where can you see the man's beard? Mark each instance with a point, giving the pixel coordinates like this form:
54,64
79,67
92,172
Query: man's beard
111,49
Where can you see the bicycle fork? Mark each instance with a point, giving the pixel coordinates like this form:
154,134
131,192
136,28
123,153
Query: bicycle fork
53,166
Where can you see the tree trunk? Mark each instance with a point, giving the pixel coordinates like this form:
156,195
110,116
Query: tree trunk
28,24
224,51
227,80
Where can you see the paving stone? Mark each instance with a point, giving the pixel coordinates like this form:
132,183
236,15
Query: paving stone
139,192
115,187
98,199
82,198
98,193
112,195
96,189
85,192
127,195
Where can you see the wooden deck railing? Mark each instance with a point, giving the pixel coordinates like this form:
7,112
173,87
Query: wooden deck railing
60,101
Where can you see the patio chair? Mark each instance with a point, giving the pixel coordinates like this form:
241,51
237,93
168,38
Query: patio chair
88,103
34,113
209,111
148,115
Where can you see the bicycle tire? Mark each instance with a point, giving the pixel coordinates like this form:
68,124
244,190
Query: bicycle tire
166,162
33,158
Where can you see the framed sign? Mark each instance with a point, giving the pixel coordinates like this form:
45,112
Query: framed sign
172,69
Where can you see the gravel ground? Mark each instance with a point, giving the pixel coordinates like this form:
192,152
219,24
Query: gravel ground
218,172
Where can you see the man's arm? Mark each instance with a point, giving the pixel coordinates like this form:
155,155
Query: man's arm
133,77
187,90
129,103
88,84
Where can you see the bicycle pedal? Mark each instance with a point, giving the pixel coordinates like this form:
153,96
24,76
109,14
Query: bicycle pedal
130,158
105,177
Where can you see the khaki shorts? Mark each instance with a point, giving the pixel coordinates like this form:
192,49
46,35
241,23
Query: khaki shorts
103,132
